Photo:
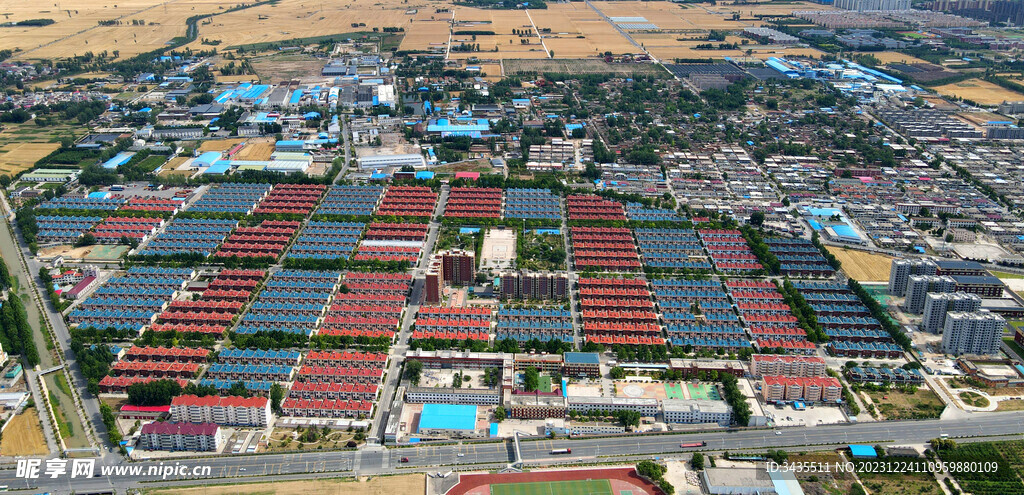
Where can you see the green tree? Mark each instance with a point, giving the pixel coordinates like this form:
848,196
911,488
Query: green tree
499,414
757,219
276,396
697,461
531,379
413,369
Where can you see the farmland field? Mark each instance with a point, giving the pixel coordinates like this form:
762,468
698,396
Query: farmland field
220,145
292,19
979,91
894,57
573,66
77,28
24,436
862,266
21,145
426,35
380,485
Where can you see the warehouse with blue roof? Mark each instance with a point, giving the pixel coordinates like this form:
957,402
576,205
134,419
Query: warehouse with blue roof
447,419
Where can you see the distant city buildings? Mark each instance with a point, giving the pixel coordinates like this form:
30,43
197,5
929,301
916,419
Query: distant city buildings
862,5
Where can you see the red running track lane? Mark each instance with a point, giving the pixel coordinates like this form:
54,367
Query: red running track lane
622,479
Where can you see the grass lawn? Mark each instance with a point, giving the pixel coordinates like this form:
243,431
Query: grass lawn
1013,345
576,487
150,163
894,404
909,482
544,384
1010,405
1007,275
973,399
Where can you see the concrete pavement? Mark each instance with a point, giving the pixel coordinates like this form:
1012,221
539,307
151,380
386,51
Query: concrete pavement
377,460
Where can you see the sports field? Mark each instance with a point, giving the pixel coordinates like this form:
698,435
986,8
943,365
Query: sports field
577,487
703,391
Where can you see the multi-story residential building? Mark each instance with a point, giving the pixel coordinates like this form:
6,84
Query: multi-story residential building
534,285
919,286
235,411
434,283
447,395
809,389
201,437
696,411
936,306
972,333
458,266
902,269
535,406
786,365
646,407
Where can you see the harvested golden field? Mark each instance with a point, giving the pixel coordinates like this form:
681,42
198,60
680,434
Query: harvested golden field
863,266
76,29
24,436
412,484
979,91
426,35
665,47
17,157
767,7
291,19
237,78
220,144
894,58
568,21
255,151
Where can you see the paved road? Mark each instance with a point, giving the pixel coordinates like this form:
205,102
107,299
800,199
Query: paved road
89,402
377,460
393,377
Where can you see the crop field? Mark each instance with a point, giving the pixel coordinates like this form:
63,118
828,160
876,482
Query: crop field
569,21
863,266
22,145
17,157
255,150
292,19
76,29
220,144
576,66
426,35
894,58
380,485
24,436
979,91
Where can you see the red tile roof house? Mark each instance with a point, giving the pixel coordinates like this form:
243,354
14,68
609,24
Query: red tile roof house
237,411
149,413
201,437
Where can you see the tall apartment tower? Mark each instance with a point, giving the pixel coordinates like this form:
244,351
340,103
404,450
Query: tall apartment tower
972,333
511,285
534,285
434,286
901,271
919,286
936,306
458,266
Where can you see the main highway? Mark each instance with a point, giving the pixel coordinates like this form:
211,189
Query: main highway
376,460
